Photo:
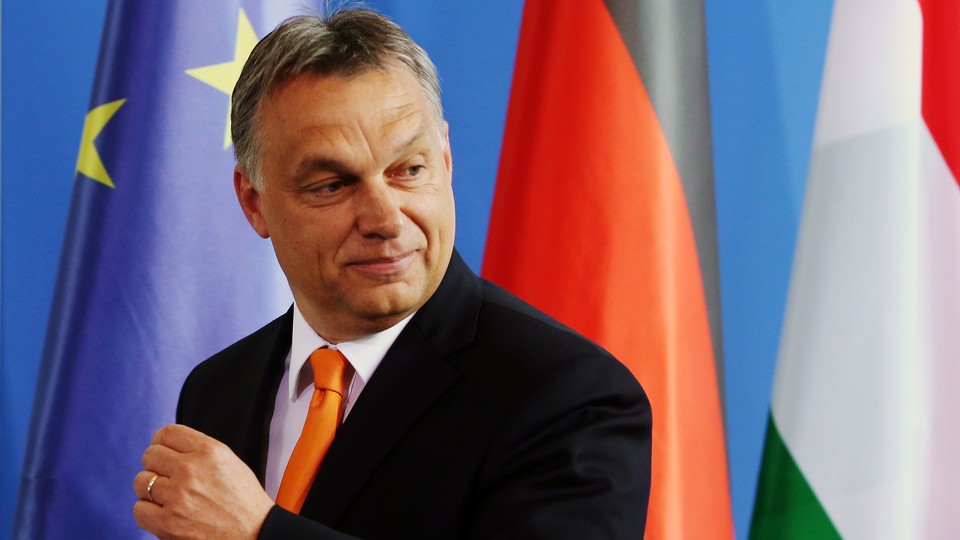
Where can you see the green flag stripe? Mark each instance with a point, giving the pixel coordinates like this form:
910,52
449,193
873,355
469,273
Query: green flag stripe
786,507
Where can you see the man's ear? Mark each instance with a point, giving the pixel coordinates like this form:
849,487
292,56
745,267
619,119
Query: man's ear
249,199
447,154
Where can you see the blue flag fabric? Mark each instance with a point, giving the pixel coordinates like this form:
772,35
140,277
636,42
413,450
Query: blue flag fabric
159,268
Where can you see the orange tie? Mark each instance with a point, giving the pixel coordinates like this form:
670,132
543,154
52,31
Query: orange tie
331,374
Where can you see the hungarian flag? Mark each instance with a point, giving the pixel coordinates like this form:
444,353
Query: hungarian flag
864,439
159,268
603,217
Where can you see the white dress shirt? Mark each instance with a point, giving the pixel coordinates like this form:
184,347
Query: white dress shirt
296,387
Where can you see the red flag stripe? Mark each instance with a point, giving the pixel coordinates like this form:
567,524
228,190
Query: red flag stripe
941,77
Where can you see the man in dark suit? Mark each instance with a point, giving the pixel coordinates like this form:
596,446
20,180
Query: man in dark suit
467,413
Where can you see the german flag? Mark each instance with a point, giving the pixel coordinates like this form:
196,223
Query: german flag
604,217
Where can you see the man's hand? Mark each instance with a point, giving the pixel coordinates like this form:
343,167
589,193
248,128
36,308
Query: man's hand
202,490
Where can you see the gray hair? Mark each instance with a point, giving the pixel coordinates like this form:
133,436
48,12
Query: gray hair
345,43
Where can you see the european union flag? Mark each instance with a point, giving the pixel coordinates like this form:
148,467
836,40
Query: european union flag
159,268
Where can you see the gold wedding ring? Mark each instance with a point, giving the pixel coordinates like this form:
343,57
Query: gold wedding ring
150,488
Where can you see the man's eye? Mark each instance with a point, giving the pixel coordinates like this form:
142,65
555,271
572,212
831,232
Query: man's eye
332,187
329,187
414,170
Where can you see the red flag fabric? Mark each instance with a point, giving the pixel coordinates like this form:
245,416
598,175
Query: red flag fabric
591,223
941,78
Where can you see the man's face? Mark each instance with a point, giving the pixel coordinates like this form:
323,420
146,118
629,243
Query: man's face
357,197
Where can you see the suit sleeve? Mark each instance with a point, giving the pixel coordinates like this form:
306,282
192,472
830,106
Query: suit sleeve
283,525
573,461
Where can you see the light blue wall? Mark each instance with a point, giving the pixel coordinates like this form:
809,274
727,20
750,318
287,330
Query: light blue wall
766,57
765,62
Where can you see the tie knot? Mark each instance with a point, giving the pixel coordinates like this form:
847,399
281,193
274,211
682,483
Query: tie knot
331,371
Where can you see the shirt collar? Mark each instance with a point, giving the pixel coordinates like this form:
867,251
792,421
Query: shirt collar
364,354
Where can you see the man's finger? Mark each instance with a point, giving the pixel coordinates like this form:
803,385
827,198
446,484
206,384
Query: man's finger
146,491
162,460
149,517
178,437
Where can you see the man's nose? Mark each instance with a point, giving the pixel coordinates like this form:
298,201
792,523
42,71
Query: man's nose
379,210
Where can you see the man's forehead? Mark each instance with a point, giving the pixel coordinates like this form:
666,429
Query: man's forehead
382,95
393,74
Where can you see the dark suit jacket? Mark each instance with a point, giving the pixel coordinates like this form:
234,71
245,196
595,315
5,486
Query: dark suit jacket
486,419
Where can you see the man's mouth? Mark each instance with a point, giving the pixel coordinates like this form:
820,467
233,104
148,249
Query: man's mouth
383,266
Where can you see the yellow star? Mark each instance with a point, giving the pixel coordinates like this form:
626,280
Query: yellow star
224,76
88,162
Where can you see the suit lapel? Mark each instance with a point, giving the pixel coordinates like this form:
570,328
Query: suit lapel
411,377
255,394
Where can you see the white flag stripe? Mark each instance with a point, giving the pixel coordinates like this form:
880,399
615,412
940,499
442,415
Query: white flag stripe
871,76
940,337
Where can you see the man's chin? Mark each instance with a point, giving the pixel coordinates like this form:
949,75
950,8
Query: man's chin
393,304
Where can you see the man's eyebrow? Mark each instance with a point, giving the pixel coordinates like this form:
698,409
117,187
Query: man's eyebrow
319,163
411,142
